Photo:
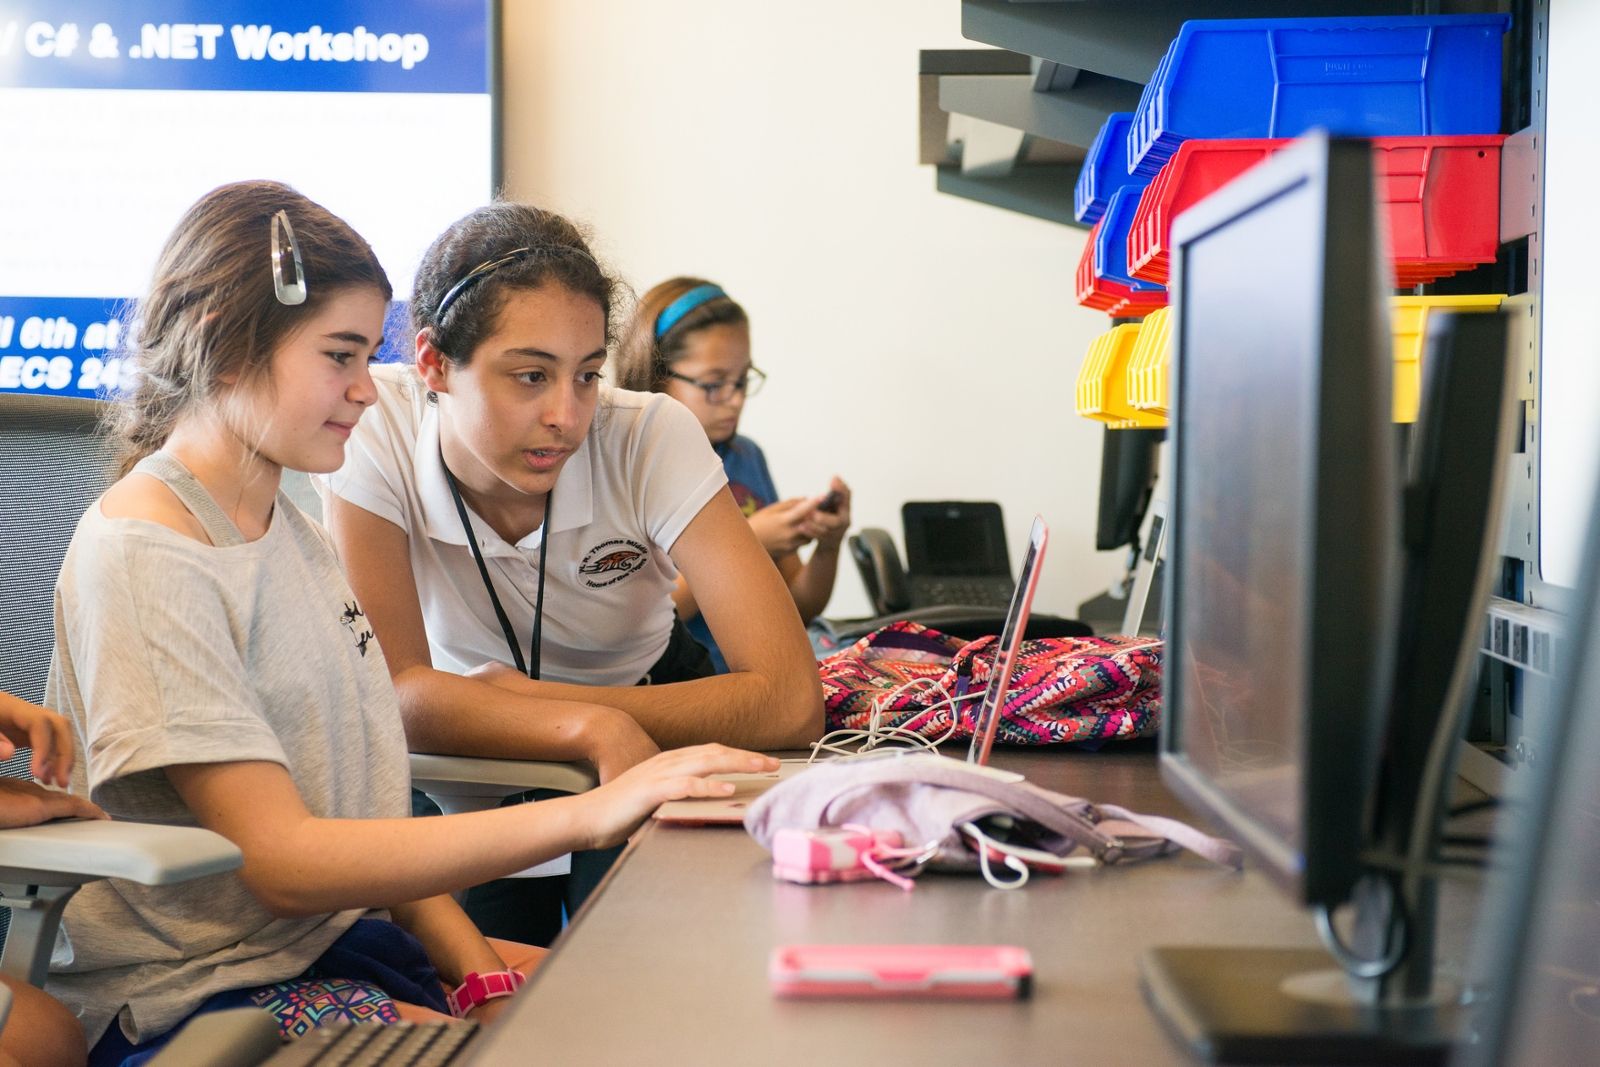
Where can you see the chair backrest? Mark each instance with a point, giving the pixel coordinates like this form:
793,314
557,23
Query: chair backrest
54,462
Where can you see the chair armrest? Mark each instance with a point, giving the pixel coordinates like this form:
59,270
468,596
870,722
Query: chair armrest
42,866
471,776
462,784
75,851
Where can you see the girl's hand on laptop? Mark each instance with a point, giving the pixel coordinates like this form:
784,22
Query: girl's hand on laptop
780,527
611,812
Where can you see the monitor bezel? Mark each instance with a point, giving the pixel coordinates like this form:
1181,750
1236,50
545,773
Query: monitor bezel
1353,559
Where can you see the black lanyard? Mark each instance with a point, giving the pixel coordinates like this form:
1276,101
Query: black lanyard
529,666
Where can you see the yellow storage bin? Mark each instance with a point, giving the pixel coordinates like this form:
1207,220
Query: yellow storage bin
1091,398
1410,324
1103,381
1124,380
1147,367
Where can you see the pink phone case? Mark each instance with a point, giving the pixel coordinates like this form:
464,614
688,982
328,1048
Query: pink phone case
979,972
826,854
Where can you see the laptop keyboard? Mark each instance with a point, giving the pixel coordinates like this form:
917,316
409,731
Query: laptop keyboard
400,1044
978,591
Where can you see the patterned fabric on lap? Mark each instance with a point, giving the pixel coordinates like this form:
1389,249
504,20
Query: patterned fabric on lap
305,1004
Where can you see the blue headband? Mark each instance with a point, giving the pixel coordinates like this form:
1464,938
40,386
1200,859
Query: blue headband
675,311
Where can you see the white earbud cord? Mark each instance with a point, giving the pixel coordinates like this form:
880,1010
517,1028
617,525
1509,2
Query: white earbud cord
858,742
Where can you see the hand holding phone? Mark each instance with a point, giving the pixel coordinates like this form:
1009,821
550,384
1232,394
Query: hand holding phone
979,972
831,501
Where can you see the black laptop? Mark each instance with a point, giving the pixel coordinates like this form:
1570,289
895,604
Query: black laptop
956,554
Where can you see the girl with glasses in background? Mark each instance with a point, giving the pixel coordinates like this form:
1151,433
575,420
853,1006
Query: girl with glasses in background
691,340
220,672
513,527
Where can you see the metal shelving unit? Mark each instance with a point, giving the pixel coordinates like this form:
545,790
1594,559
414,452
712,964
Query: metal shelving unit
1058,68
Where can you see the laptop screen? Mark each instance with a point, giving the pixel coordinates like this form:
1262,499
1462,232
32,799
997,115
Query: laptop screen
987,721
955,539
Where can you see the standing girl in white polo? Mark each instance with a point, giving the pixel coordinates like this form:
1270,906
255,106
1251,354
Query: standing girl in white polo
514,526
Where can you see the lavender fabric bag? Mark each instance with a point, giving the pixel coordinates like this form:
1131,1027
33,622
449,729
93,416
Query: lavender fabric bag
929,799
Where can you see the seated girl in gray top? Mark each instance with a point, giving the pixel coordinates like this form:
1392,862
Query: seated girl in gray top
221,673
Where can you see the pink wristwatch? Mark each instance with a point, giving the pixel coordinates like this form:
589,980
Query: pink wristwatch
477,988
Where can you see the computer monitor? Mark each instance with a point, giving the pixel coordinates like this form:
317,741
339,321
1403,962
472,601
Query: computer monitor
1300,714
1127,476
1539,945
1283,533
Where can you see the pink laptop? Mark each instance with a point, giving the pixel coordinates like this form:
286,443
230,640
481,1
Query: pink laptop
730,810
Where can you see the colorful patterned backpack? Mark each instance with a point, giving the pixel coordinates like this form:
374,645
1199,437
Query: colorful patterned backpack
1064,689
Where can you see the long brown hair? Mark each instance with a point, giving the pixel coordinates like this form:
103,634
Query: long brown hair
212,312
643,359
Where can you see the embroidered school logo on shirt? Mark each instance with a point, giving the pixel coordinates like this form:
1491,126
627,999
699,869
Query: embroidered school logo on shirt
611,561
352,611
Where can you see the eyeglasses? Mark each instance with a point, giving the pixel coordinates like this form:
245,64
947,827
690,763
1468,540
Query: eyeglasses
749,383
285,252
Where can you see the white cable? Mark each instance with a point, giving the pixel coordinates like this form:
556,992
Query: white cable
856,741
983,860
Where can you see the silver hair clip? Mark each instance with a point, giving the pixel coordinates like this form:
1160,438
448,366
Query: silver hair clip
288,292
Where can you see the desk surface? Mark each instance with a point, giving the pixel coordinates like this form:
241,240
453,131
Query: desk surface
667,962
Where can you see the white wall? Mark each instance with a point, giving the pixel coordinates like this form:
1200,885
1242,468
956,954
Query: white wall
923,346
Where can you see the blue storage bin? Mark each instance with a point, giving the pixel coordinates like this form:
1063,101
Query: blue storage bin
1111,243
1105,169
1402,76
1149,165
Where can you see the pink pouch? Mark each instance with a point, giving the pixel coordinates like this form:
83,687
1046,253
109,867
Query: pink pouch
934,803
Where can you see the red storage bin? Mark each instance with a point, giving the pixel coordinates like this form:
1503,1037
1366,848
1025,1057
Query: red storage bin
1196,170
1444,203
1103,294
1442,194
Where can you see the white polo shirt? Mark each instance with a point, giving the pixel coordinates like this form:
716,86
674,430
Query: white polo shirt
644,471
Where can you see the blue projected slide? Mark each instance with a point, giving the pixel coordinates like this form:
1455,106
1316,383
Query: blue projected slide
118,114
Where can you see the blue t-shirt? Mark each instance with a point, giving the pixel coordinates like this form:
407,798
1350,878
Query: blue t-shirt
751,484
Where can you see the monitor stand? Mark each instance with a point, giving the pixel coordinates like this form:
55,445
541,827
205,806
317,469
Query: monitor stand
1285,1006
